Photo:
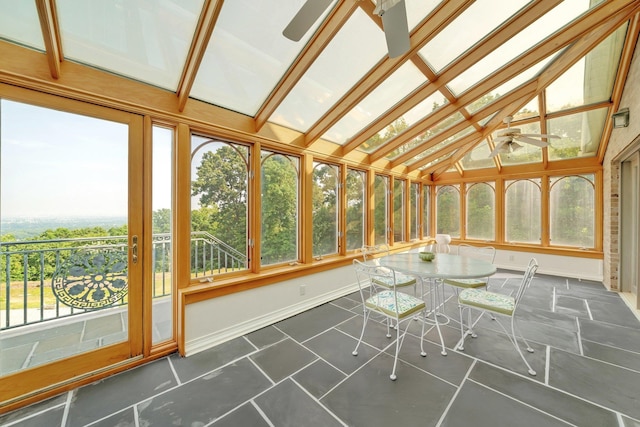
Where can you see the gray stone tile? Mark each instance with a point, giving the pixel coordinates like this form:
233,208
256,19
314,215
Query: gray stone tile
615,311
612,355
318,378
97,327
265,337
336,349
571,305
375,333
125,418
286,405
550,335
346,303
479,406
583,377
108,396
568,408
13,359
609,334
202,400
53,403
312,322
32,418
244,416
283,359
188,368
628,422
369,398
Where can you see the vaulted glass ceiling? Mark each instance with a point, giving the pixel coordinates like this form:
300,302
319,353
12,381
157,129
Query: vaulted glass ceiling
552,65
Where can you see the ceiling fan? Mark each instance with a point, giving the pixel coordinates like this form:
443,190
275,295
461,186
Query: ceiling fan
392,12
507,139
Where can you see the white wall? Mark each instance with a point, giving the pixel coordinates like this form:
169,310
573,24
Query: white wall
211,322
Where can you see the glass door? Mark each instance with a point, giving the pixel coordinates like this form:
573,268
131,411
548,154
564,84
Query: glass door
70,251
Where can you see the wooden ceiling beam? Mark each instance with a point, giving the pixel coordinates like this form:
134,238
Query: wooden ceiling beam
204,30
436,21
51,34
309,54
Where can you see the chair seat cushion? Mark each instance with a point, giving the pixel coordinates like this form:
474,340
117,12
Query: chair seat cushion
401,280
385,302
485,300
466,283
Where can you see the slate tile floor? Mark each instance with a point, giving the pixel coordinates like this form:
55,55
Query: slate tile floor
300,372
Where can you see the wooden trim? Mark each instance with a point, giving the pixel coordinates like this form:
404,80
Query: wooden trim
147,236
51,35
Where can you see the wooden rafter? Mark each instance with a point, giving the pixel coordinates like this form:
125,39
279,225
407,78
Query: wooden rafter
51,35
314,48
204,29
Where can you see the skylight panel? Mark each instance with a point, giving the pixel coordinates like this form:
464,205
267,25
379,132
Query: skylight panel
247,54
146,41
529,110
478,158
443,144
580,134
401,83
410,118
472,25
527,153
19,23
354,50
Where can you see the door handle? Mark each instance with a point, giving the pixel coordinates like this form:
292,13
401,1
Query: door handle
134,249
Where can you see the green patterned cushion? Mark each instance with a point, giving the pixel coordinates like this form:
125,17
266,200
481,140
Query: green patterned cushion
384,301
401,280
499,303
466,283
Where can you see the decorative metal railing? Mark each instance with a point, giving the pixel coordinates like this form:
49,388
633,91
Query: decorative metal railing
28,270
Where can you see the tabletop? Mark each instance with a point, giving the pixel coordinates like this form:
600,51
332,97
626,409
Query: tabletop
443,266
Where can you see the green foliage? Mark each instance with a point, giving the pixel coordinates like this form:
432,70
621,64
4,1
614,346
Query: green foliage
355,226
448,210
325,209
481,212
381,186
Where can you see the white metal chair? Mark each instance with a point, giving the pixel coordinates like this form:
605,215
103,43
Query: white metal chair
500,305
387,301
401,280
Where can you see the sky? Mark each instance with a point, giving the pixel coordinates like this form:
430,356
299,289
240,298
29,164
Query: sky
58,164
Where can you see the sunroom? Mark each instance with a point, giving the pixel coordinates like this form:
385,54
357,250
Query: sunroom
219,177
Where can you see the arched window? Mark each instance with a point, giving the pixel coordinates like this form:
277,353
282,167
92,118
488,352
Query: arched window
381,203
219,190
522,211
356,209
325,209
448,210
572,211
280,175
481,211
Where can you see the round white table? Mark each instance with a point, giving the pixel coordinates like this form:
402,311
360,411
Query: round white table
443,266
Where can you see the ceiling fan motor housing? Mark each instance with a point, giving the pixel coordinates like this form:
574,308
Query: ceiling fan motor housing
508,132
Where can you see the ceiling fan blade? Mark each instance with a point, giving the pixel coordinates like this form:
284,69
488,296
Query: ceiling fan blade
497,150
396,29
305,18
531,141
503,138
536,135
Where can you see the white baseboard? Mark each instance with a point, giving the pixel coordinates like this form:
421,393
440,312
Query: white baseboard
205,342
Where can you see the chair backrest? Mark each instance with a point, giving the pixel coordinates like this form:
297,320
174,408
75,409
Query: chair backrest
368,252
368,273
485,253
526,280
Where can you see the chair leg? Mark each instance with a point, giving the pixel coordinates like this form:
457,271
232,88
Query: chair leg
529,349
364,324
395,359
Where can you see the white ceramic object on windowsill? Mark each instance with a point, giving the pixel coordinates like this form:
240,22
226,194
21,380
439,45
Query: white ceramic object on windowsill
442,243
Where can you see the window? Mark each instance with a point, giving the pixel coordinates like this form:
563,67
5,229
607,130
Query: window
399,209
381,203
279,238
325,209
356,209
414,210
448,210
218,206
572,211
426,210
522,211
481,222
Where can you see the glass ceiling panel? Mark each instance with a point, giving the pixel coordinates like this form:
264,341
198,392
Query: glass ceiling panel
552,21
436,161
410,118
400,84
443,144
473,24
527,153
417,10
591,79
502,90
247,54
529,110
427,135
478,158
147,41
581,134
342,63
19,23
